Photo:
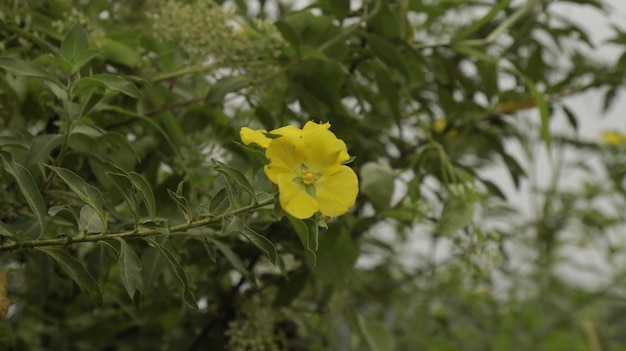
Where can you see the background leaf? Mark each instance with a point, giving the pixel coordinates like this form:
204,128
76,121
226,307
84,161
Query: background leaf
75,270
130,269
28,188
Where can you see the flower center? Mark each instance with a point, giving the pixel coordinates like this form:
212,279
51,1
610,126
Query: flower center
308,177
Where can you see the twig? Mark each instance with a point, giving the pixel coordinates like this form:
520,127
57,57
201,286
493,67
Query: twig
142,233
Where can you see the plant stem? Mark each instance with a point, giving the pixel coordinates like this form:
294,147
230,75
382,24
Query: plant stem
142,233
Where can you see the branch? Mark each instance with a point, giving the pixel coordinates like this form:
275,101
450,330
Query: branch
81,238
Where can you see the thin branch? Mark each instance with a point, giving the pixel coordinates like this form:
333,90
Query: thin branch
80,238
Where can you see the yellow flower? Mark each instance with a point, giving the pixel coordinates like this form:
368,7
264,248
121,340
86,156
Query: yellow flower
613,138
306,164
440,125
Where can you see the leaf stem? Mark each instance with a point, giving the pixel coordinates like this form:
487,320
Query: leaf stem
142,233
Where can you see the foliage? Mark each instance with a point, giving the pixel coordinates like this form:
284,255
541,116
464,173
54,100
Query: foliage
132,216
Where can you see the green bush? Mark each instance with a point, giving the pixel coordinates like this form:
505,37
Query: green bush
134,217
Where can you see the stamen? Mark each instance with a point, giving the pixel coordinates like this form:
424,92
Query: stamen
309,177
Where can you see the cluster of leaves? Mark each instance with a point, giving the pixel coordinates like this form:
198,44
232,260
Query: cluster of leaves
131,217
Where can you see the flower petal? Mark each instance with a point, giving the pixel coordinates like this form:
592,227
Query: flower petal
310,125
337,192
250,136
287,131
323,149
294,198
284,157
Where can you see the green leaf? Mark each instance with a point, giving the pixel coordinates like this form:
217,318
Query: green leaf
340,8
22,68
476,25
41,146
336,256
571,117
118,52
76,42
302,230
130,269
178,271
224,86
234,260
181,201
210,249
457,213
145,191
219,202
89,221
477,54
152,265
76,271
124,185
236,176
288,33
117,148
376,334
64,211
388,53
543,111
28,188
6,231
87,193
75,48
291,288
113,82
261,242
377,182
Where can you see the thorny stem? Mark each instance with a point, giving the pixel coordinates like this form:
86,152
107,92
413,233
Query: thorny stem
132,234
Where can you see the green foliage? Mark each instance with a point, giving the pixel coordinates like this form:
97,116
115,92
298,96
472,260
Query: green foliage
133,218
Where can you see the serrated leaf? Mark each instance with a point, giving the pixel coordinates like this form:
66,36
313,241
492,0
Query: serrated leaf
28,188
114,83
76,271
130,269
87,193
262,243
41,146
89,221
178,271
145,191
236,176
22,68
